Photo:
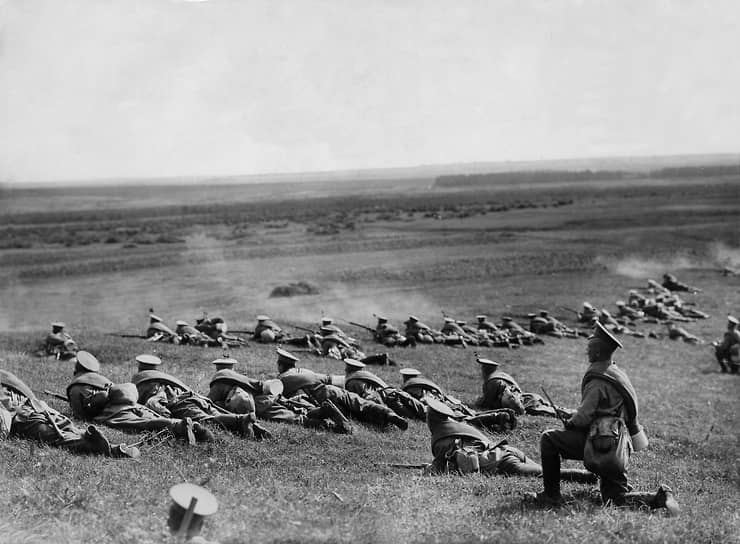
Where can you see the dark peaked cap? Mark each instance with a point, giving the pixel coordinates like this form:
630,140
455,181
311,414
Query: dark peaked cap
606,338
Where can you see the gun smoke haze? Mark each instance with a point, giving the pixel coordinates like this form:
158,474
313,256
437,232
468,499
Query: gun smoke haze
718,255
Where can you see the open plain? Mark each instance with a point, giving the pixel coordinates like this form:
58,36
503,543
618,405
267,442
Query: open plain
99,258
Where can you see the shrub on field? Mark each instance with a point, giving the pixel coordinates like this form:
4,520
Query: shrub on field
294,289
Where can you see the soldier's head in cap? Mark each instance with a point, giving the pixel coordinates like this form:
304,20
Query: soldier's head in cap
183,495
407,373
57,326
85,362
481,318
148,362
449,320
413,319
326,321
544,313
285,360
487,366
223,363
438,411
181,323
601,344
588,306
507,319
381,319
352,365
461,322
620,303
732,322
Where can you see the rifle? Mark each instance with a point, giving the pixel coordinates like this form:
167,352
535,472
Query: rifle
402,465
56,395
570,310
369,329
242,332
560,416
121,335
305,329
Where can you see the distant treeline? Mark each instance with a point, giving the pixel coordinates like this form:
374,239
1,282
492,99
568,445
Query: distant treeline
544,176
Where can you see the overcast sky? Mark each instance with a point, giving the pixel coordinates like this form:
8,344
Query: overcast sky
163,88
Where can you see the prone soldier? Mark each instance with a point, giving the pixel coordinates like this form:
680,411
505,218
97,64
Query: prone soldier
22,414
240,394
672,284
170,397
319,388
93,397
157,331
675,332
59,343
371,387
457,446
388,335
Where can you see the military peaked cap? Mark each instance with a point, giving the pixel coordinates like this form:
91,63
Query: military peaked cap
88,361
439,407
605,337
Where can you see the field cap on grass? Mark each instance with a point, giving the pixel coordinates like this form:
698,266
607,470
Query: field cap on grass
409,373
732,319
487,363
182,495
286,357
148,362
439,407
262,317
601,333
224,362
350,365
58,325
88,361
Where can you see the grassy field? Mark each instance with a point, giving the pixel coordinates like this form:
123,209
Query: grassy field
460,252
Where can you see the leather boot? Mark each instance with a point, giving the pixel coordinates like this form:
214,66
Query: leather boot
551,477
343,426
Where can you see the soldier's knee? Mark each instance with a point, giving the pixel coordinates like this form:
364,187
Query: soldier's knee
547,446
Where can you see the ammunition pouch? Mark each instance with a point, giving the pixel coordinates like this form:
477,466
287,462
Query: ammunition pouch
608,447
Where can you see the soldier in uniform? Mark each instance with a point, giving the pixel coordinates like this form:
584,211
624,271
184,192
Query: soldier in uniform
606,392
59,343
500,390
675,332
22,414
327,324
370,387
672,284
606,319
587,314
421,388
496,335
388,335
318,388
187,334
519,333
171,398
628,312
459,447
267,331
727,351
240,394
217,330
420,332
157,331
453,334
93,397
